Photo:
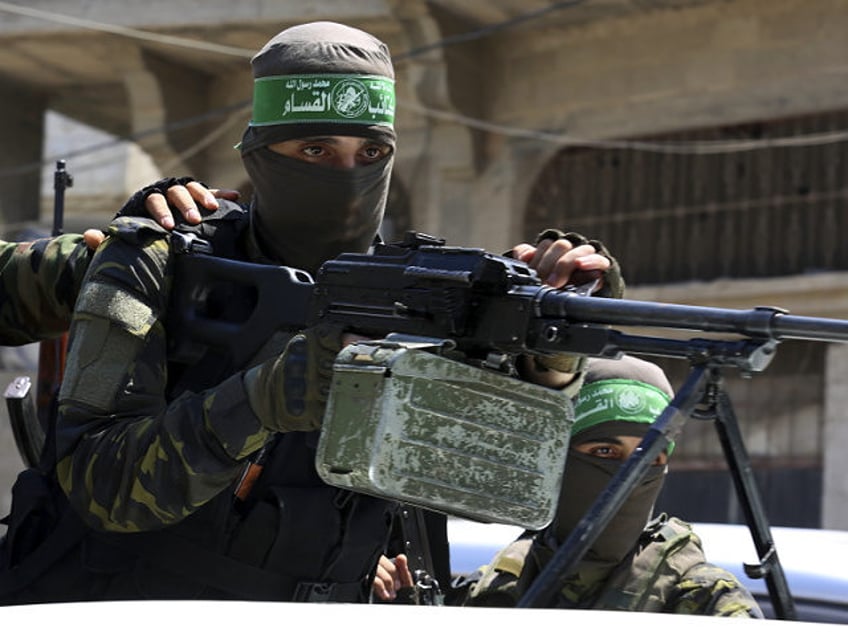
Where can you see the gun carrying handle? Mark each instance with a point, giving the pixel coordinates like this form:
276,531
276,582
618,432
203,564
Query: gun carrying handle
26,427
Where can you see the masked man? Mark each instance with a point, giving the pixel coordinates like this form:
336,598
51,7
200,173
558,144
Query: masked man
158,458
658,567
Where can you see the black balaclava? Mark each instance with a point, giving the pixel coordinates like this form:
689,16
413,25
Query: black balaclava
318,79
619,397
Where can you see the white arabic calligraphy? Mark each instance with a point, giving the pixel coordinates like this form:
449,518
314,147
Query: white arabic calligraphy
384,107
599,408
320,104
301,84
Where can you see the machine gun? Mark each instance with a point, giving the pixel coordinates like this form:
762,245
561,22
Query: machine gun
483,303
493,308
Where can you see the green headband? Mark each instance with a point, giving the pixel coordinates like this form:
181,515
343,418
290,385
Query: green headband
618,400
303,99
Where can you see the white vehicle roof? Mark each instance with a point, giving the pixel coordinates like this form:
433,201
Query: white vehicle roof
815,561
225,618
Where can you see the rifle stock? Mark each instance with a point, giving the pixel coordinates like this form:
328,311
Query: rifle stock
30,416
51,353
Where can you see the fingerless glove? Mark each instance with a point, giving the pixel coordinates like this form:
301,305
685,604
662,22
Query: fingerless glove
289,392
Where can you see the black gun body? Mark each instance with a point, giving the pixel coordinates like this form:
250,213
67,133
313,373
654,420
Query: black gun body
481,301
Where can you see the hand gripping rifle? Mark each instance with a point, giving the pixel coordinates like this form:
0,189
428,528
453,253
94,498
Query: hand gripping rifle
493,308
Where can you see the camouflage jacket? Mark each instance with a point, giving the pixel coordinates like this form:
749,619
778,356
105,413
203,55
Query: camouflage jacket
667,573
151,448
131,457
39,283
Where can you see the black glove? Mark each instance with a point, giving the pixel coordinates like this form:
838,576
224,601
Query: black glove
612,287
613,282
135,204
289,392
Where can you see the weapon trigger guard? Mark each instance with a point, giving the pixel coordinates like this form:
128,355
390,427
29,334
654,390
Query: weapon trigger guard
759,570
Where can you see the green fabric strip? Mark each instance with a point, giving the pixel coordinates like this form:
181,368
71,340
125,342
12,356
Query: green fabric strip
298,99
617,400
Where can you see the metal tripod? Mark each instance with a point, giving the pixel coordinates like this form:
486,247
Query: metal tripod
702,396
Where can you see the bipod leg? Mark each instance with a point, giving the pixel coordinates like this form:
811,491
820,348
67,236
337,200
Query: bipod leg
748,494
666,428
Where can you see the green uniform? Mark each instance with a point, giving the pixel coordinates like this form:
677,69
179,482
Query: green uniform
667,572
39,282
629,566
151,451
138,462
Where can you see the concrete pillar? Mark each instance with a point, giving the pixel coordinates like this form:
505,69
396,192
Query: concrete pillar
160,93
434,158
217,161
835,478
22,117
448,212
503,189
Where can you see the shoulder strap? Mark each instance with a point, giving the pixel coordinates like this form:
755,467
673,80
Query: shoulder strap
668,548
503,581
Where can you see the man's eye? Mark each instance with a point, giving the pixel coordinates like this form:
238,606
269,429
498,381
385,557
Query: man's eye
376,152
604,451
312,151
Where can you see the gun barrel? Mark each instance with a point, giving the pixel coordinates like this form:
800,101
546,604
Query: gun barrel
811,328
761,322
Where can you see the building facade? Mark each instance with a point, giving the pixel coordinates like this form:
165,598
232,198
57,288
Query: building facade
703,140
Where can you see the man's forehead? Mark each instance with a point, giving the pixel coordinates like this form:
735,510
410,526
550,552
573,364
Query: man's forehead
609,439
336,140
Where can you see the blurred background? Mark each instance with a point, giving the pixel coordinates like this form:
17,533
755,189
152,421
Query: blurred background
704,141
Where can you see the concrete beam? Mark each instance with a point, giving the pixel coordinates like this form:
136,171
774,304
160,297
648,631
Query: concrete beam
715,64
824,294
185,14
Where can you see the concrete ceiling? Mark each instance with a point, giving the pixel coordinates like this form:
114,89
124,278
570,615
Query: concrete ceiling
63,50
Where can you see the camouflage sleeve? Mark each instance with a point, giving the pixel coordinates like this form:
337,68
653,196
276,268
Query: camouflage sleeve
706,589
129,459
504,581
39,282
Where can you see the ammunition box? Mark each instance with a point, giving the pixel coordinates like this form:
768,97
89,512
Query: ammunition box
414,426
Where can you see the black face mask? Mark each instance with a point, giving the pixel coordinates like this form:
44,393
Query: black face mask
305,214
584,479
